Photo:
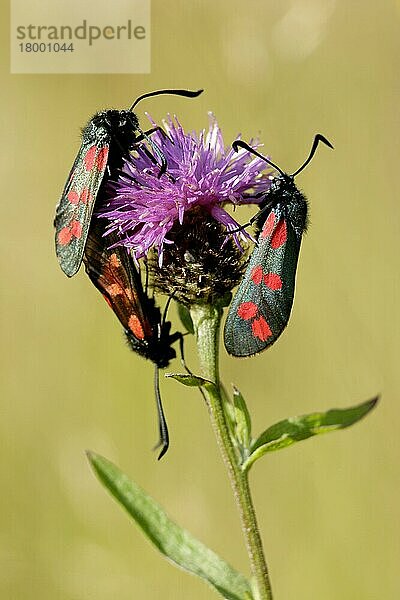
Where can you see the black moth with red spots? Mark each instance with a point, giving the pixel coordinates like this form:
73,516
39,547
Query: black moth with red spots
261,308
106,140
114,274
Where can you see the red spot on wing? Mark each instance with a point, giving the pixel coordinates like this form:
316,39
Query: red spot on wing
89,158
261,329
257,274
136,327
129,294
114,261
73,197
76,228
86,196
273,281
114,289
64,236
101,161
247,310
268,225
280,235
73,230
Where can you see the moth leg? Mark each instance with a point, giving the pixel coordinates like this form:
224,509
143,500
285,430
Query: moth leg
157,157
252,220
147,133
163,442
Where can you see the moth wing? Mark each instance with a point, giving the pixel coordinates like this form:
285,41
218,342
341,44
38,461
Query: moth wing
75,208
115,275
261,307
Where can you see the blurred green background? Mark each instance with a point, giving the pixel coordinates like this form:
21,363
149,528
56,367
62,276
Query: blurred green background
328,508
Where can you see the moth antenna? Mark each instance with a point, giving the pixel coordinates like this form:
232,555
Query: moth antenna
186,93
162,423
318,138
240,144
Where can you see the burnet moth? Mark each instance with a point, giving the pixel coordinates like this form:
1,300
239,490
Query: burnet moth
261,307
115,275
106,140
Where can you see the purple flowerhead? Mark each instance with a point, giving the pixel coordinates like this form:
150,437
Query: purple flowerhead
174,214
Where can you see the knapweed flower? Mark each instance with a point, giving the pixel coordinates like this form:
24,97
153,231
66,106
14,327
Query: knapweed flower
179,216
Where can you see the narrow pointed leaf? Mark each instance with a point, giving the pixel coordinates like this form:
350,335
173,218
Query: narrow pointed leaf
230,418
175,543
189,380
243,419
288,432
186,319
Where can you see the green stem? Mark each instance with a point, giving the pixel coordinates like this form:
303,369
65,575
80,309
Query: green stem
206,319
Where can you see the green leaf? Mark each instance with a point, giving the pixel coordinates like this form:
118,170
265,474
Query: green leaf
230,418
288,432
190,380
186,319
243,420
239,423
177,544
